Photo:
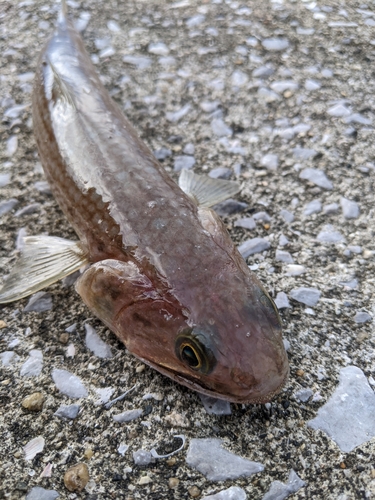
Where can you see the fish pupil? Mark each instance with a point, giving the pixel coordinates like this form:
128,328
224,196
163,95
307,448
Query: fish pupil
189,355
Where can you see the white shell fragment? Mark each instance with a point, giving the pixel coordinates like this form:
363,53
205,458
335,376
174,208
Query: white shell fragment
252,246
69,384
317,177
308,296
155,454
128,415
348,416
232,493
38,493
12,145
67,411
122,449
218,464
104,394
32,367
214,406
96,344
279,490
33,447
47,471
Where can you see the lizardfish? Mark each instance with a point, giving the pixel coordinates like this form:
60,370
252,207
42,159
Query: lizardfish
161,270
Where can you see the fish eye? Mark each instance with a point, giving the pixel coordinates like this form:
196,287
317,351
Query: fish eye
194,352
190,356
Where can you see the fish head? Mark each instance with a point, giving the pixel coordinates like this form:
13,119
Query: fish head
229,347
238,353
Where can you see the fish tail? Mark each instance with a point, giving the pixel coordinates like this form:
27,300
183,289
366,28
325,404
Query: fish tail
63,14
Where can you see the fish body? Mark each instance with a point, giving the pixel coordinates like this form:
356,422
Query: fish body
164,274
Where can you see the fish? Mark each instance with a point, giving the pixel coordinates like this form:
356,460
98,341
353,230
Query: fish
158,265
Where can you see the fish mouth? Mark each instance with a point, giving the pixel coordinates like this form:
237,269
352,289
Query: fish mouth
202,389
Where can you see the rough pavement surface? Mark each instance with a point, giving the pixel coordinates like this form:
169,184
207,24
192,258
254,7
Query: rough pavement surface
280,95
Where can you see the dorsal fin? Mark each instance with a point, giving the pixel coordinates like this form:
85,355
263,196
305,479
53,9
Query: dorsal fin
206,191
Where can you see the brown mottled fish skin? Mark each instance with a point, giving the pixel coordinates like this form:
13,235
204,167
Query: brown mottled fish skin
165,275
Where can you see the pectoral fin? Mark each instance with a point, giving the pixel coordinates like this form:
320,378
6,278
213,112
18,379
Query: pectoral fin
205,191
44,260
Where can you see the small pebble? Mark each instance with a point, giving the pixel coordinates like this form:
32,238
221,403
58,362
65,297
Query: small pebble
162,154
350,208
287,216
189,149
4,180
96,344
317,177
214,406
280,491
362,317
175,419
294,270
38,493
173,483
142,457
29,209
7,205
229,207
246,223
33,402
122,449
314,207
64,338
88,454
303,395
219,128
348,415
252,246
239,78
283,256
183,161
12,145
338,110
128,415
158,48
220,173
33,366
144,480
270,161
232,493
283,240
275,44
76,478
216,463
69,384
268,95
2,324
67,411
331,208
141,62
308,296
194,491
39,302
281,300
330,235
176,116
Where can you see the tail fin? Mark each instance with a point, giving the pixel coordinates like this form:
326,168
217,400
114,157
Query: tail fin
63,14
